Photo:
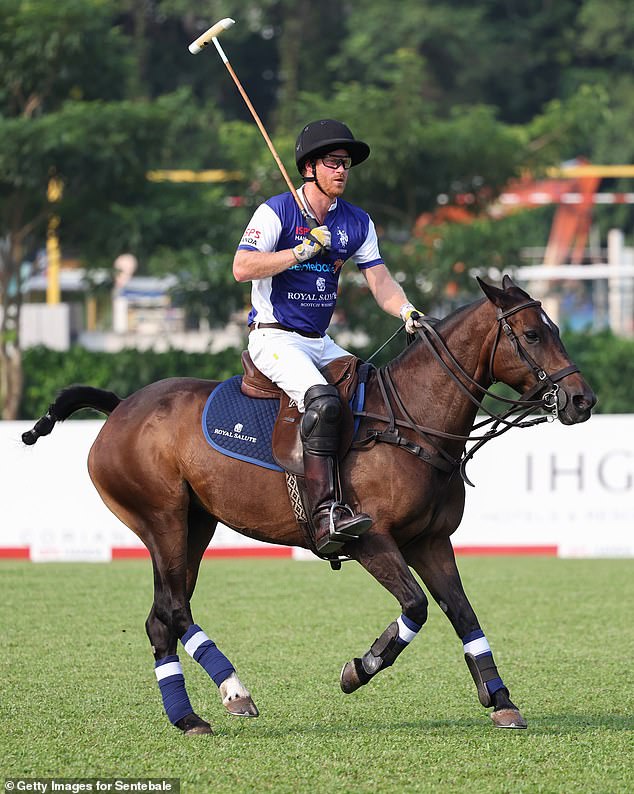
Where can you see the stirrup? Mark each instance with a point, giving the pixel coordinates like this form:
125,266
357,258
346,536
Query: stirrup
337,506
340,534
337,537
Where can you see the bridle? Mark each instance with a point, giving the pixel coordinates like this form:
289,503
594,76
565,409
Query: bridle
544,395
550,400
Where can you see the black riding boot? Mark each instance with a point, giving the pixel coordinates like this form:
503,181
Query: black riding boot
335,523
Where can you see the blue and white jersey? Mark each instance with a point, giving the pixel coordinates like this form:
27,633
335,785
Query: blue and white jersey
303,297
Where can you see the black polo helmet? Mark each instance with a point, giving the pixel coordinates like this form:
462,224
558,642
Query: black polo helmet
320,137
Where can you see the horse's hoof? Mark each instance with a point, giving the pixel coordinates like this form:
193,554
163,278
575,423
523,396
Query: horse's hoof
242,707
199,730
508,718
349,678
193,725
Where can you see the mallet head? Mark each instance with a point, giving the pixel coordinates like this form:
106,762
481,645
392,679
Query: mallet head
214,31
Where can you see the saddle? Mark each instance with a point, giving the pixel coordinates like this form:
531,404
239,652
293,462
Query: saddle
286,440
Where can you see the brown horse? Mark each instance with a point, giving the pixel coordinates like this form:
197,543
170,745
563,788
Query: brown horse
155,471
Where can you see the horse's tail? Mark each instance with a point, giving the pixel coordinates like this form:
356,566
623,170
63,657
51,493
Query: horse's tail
67,402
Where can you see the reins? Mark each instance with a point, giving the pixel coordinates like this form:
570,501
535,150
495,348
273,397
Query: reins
523,407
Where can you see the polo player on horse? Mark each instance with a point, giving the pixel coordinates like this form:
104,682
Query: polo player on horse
294,273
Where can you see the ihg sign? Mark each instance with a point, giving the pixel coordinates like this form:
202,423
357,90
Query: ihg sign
611,471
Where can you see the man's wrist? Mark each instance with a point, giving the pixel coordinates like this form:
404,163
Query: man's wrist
405,310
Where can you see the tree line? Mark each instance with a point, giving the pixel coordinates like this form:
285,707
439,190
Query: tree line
454,97
607,361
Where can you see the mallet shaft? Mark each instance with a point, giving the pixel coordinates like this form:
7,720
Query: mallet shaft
269,142
195,47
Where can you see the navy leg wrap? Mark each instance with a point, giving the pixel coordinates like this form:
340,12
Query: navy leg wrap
206,653
171,681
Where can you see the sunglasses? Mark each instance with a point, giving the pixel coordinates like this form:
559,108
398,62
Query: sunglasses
335,162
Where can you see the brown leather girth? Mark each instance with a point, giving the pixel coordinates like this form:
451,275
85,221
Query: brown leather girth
286,441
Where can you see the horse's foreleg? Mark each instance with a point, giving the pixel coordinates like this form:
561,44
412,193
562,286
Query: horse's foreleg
435,563
380,556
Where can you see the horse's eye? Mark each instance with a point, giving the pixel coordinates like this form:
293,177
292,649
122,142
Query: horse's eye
531,336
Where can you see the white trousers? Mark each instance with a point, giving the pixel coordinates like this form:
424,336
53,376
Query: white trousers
292,361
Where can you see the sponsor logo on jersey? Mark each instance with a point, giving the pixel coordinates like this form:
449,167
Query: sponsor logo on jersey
251,236
343,237
315,267
317,297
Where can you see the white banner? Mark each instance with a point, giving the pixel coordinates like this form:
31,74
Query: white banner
572,487
566,490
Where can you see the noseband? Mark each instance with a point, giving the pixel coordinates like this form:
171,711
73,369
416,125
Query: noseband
551,400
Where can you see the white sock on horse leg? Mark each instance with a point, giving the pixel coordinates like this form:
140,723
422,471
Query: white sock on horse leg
232,689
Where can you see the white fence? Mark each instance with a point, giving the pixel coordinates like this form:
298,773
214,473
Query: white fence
549,490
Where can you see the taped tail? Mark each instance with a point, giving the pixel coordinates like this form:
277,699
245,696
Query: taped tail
68,401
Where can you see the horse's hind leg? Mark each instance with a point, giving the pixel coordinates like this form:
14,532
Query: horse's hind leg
175,561
169,618
380,556
175,570
133,498
201,527
435,563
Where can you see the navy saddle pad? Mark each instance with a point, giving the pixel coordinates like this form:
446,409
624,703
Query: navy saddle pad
241,427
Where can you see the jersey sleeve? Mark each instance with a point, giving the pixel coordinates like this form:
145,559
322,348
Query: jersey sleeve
262,232
368,255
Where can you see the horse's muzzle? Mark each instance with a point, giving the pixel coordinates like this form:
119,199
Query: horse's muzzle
576,404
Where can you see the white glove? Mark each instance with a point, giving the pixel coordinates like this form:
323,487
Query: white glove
410,315
312,244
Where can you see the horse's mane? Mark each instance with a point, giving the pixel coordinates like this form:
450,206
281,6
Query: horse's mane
445,325
450,320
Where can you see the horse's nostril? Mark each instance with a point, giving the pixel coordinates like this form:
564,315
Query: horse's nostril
584,402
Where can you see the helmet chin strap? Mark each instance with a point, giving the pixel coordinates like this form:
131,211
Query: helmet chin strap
313,178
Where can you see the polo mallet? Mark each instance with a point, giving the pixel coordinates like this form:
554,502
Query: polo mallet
199,44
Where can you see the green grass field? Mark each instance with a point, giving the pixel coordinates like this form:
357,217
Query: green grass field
80,698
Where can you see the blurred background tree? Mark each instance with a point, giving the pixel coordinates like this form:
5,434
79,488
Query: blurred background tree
454,96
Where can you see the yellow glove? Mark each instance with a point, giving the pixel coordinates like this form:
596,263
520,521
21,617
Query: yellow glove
312,244
411,317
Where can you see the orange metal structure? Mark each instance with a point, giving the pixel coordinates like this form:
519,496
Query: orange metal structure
573,188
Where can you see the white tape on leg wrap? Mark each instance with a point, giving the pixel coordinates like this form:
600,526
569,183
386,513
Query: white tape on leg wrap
404,633
194,643
478,646
166,670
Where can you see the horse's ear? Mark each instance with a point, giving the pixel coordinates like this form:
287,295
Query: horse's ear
494,294
509,284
